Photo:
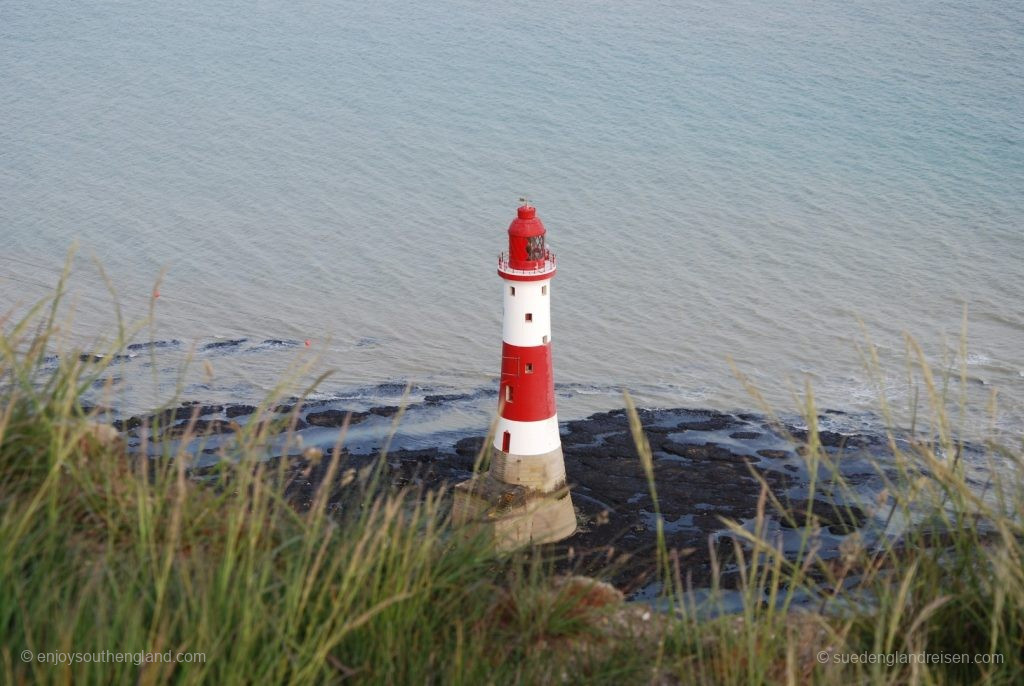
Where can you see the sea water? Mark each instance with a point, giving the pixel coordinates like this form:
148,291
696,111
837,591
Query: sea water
761,188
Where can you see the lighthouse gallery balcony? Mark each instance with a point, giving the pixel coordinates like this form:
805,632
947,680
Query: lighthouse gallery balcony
545,270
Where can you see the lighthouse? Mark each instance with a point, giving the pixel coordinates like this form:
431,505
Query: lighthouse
523,498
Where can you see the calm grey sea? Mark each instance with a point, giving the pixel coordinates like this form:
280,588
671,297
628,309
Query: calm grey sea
741,180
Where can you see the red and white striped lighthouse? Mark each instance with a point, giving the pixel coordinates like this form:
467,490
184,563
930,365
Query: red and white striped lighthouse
527,468
527,447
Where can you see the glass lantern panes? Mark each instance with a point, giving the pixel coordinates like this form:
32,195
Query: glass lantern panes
535,248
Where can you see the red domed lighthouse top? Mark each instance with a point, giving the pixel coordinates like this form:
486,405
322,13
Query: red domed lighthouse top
528,258
526,222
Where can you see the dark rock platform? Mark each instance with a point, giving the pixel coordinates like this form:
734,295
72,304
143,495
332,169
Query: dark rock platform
708,465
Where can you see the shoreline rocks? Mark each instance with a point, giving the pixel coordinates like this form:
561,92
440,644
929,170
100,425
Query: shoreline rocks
708,465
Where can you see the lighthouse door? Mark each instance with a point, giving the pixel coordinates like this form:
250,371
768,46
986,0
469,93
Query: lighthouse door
506,442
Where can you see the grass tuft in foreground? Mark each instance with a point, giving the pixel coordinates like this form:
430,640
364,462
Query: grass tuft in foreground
106,551
102,549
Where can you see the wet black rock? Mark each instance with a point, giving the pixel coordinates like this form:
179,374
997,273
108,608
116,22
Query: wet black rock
128,424
188,408
711,481
613,491
438,399
469,446
164,418
217,345
698,481
578,433
714,422
100,357
621,442
239,410
173,343
604,422
334,418
392,388
839,519
707,451
832,439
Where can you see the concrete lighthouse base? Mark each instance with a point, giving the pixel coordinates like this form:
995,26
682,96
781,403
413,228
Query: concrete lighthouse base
513,515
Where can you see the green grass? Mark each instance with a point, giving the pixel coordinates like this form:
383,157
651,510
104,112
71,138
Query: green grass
104,550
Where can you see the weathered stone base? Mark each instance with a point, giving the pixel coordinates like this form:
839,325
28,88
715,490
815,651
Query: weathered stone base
544,473
514,515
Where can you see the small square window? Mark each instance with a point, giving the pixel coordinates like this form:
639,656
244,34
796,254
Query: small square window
508,394
529,367
543,290
529,316
544,340
511,290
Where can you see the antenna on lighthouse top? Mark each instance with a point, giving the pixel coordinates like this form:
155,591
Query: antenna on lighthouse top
524,200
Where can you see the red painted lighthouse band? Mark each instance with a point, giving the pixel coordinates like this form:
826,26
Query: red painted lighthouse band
527,383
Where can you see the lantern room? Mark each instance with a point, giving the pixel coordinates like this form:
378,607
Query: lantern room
528,257
526,249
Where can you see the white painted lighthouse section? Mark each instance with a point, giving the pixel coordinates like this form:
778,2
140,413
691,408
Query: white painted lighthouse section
528,438
527,314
